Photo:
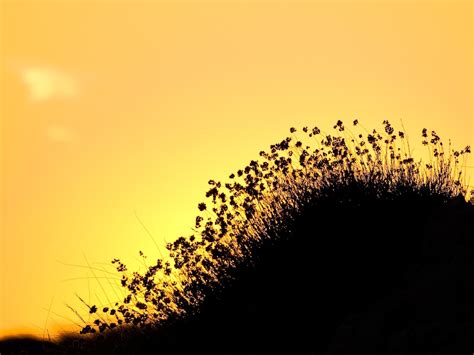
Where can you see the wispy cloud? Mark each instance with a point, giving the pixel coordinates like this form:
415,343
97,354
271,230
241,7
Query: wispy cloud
47,83
60,133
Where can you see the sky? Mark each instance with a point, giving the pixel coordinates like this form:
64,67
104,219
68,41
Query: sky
114,115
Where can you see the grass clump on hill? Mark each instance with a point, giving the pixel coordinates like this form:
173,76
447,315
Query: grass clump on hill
259,205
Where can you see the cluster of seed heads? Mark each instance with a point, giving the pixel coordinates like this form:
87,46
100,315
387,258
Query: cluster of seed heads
258,202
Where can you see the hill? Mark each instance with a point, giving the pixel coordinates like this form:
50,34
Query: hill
372,256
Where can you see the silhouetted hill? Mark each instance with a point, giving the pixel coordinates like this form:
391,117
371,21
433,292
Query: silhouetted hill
379,277
349,248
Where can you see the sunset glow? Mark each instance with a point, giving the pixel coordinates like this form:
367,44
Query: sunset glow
115,115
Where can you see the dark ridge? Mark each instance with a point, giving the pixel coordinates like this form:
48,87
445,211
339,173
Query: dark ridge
359,269
399,287
26,345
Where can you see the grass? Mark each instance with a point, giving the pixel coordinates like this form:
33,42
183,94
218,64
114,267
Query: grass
322,227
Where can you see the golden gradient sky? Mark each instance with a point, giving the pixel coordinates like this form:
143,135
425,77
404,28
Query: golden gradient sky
110,108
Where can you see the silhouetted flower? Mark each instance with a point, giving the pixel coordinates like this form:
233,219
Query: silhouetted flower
254,209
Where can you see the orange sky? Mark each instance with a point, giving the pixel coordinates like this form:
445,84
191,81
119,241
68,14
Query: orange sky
107,109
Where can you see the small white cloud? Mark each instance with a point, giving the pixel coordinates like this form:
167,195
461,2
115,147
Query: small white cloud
60,134
46,83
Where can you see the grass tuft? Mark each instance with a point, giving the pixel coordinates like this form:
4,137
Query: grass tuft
260,206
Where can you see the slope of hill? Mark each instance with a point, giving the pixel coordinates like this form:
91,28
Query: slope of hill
371,257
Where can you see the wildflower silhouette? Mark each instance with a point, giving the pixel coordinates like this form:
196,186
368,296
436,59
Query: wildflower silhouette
258,204
330,243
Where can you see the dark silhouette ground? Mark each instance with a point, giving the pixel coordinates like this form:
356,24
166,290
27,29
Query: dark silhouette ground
365,276
352,247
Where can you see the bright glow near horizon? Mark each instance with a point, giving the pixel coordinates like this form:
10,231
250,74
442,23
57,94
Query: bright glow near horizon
114,108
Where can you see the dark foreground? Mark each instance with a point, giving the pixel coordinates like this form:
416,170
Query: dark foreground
377,278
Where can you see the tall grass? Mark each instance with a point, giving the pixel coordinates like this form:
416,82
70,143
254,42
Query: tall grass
257,205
